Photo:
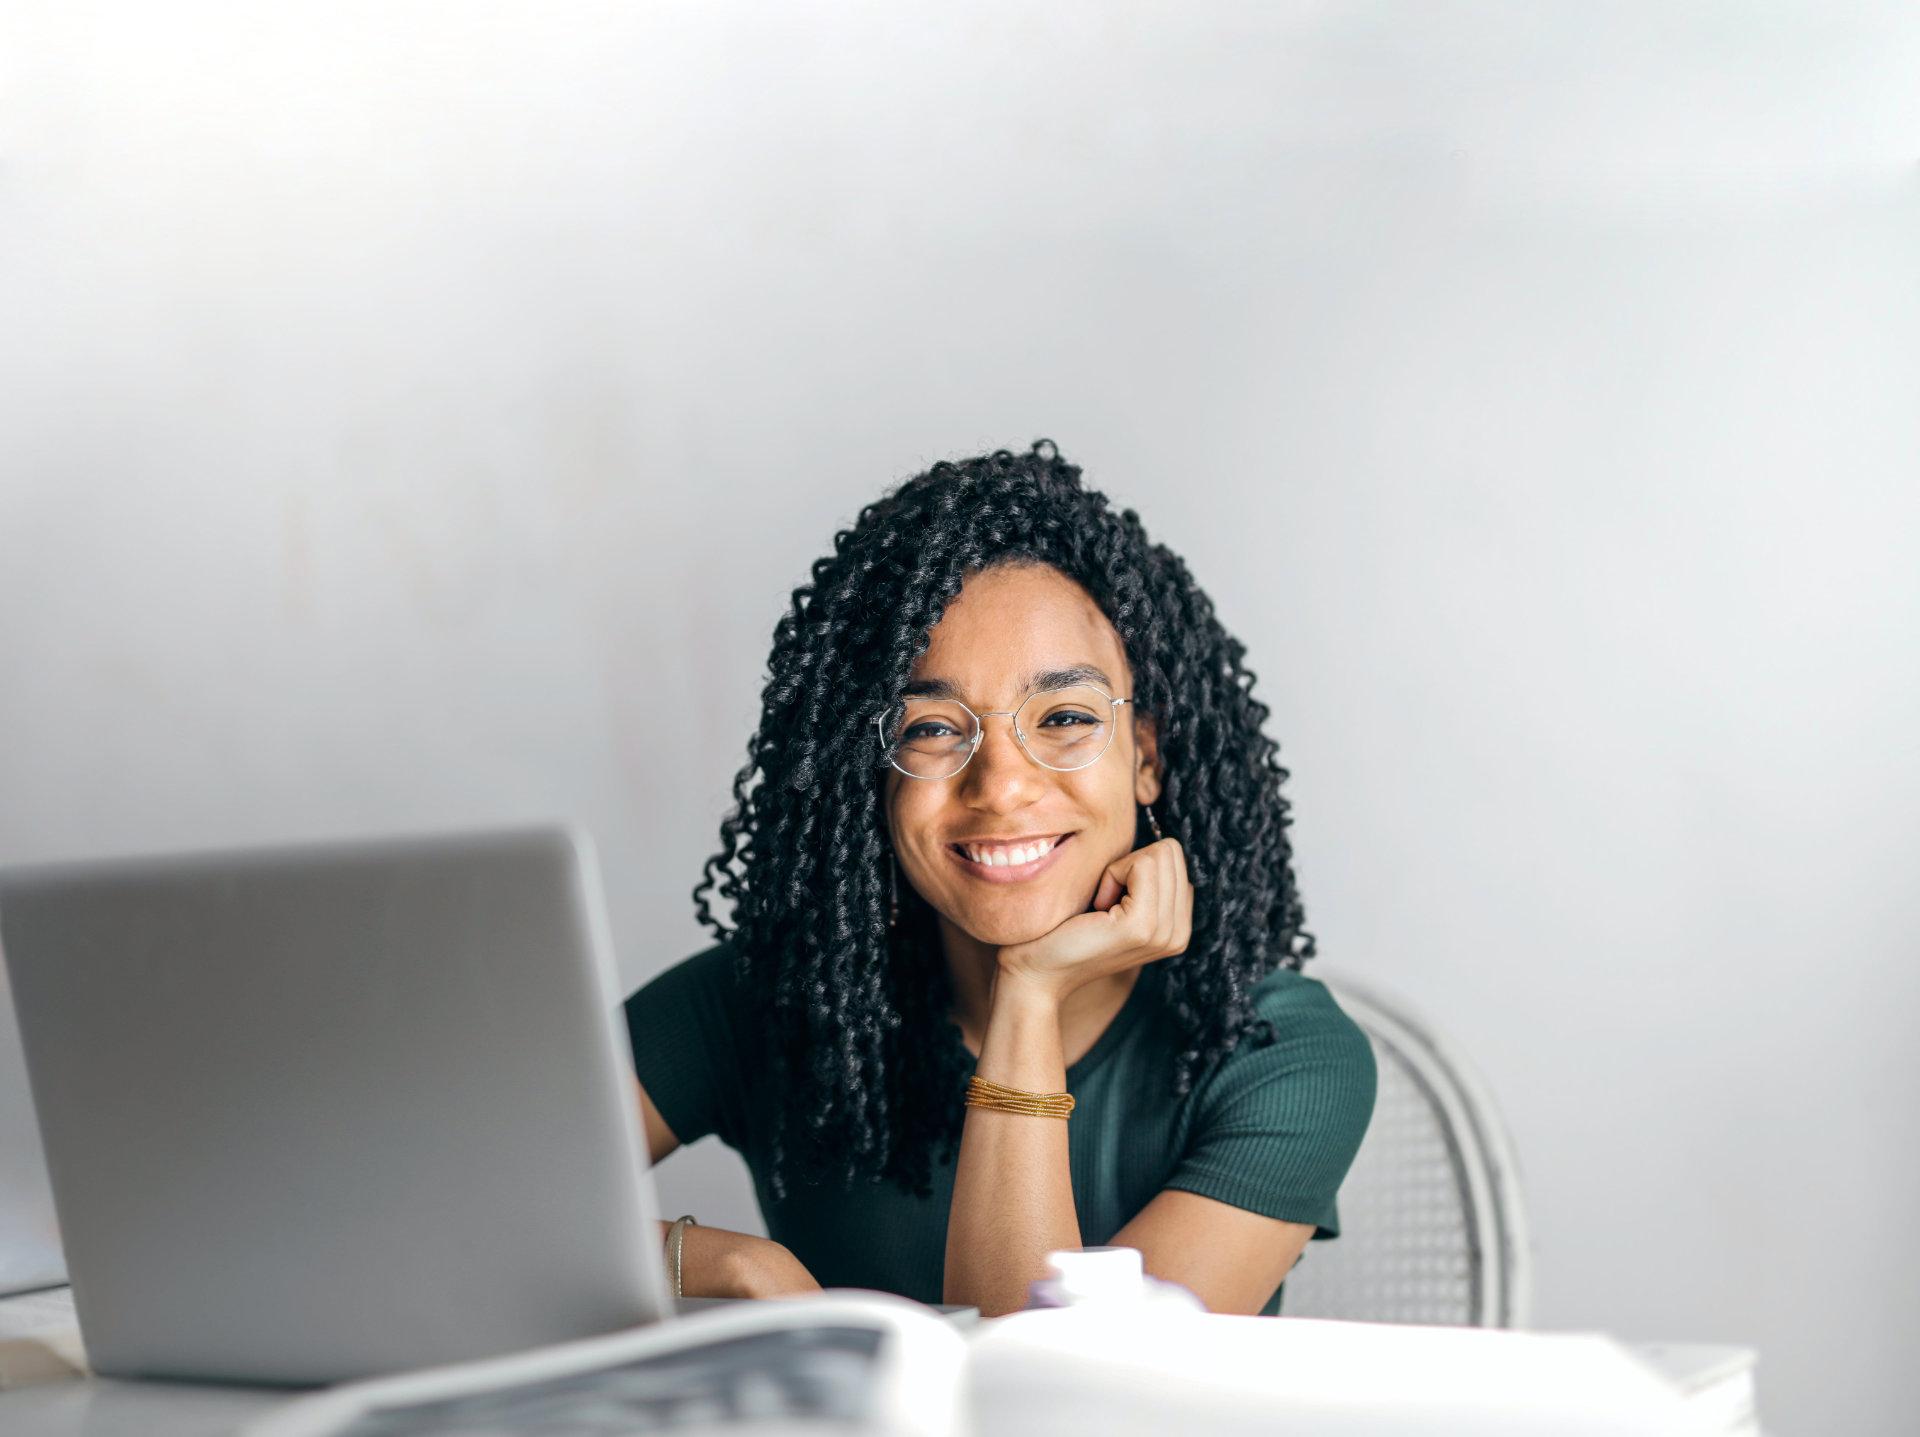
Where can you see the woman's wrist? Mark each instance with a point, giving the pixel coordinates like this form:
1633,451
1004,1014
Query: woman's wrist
1022,1048
1016,987
715,1262
768,1269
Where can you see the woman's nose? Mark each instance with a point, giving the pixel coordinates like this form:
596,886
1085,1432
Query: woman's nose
999,762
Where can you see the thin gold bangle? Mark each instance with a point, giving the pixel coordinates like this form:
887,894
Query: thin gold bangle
986,1088
990,1086
982,1093
676,1235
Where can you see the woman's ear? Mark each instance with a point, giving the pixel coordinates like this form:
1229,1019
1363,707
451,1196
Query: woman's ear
1146,771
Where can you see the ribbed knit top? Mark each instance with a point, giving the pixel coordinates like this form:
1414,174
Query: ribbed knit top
1272,1130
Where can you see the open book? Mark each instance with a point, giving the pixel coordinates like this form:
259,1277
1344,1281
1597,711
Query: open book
873,1362
847,1359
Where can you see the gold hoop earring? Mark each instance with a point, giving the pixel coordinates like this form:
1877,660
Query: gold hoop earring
1153,823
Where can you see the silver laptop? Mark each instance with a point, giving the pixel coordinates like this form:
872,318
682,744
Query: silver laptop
322,1112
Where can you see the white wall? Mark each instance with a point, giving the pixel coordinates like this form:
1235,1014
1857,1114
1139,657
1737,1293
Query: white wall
416,416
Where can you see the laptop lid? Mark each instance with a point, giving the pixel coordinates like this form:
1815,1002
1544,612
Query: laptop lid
320,1112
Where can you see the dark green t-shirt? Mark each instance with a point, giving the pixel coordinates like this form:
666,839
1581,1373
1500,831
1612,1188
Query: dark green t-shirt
1272,1130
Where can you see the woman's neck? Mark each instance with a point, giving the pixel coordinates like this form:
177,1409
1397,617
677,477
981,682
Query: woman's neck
974,967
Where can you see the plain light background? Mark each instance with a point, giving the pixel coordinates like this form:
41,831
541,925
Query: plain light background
415,416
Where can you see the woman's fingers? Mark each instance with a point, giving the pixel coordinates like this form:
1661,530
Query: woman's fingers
1185,911
1121,881
1157,909
1143,892
1176,875
1175,907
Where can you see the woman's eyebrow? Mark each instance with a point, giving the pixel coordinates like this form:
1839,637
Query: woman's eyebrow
937,688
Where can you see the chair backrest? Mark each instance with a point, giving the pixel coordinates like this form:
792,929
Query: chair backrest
1433,1227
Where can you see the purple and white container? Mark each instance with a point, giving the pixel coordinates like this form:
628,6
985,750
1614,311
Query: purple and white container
1110,1277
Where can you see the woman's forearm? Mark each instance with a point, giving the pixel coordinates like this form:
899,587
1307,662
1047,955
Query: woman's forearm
1012,1188
715,1262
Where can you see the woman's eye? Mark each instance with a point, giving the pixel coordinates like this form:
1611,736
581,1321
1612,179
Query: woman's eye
1076,717
919,730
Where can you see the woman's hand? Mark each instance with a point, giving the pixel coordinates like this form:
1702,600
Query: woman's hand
1143,910
765,1268
717,1263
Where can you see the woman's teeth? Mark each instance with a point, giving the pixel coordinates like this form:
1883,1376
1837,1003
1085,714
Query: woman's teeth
1008,857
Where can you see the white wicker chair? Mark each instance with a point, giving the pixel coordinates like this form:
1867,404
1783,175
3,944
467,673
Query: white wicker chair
1433,1227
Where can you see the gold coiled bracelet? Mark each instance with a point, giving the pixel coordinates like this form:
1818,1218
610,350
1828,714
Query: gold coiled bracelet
982,1094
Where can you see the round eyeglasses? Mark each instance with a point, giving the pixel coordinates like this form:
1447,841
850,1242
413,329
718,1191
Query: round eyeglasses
1061,729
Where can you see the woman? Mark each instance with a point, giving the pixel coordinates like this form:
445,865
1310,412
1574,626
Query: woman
1015,821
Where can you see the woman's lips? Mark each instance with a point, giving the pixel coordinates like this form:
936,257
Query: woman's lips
1010,872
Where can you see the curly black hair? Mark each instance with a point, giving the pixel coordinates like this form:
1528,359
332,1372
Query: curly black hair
864,1051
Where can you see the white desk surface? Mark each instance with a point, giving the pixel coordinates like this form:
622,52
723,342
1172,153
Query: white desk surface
103,1407
110,1407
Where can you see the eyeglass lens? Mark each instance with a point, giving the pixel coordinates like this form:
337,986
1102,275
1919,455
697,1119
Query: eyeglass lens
1065,728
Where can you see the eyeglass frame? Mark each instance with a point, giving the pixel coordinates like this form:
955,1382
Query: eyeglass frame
980,732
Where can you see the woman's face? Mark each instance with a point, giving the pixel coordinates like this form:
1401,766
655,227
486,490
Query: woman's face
1006,623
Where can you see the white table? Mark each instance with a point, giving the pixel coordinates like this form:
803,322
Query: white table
103,1407
108,1407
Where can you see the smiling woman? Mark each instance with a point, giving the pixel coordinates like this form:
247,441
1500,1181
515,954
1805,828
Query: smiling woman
1017,834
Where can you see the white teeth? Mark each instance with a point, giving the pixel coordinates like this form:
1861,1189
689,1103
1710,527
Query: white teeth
1006,857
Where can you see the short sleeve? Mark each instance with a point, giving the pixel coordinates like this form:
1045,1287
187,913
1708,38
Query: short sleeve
683,1028
1276,1128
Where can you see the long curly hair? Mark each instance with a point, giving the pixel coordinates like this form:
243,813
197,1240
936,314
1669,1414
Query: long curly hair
866,1060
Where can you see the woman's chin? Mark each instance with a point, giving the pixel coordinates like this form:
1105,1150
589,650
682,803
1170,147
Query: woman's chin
1015,923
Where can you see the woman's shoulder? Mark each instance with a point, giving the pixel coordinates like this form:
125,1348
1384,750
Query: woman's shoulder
716,963
1302,1003
1300,1033
691,1048
709,975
